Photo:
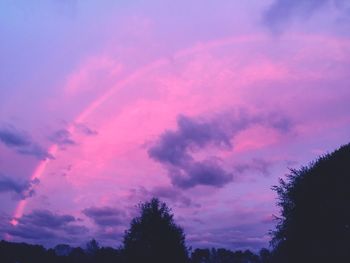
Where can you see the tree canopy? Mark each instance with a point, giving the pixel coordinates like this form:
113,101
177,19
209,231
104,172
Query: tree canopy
314,225
154,236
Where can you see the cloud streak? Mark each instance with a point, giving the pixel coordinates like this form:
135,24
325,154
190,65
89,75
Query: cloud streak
105,216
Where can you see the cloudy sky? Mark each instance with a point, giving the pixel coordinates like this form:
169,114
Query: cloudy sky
204,104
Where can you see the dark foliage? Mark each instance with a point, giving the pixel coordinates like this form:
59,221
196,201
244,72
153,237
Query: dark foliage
24,253
21,252
315,212
222,255
154,237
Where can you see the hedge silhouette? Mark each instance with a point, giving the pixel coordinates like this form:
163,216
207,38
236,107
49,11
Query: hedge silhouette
315,211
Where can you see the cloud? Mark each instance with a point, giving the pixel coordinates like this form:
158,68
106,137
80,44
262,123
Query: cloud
23,189
277,121
83,128
173,146
44,225
207,172
62,137
46,218
282,11
30,232
13,138
75,230
22,143
256,165
175,149
36,151
105,216
111,222
170,193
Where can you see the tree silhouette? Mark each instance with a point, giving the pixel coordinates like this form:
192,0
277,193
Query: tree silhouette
315,211
154,237
92,247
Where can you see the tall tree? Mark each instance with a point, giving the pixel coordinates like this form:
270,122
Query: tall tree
154,237
314,225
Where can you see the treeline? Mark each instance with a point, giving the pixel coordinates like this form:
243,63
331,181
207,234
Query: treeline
313,227
25,253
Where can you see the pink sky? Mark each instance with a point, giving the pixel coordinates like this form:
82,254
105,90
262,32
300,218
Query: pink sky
204,105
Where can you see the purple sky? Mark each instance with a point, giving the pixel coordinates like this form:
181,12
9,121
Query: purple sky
204,104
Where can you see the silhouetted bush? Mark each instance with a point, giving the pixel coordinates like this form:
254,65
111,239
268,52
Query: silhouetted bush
315,212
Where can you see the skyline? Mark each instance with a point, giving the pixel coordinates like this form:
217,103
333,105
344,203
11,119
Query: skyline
204,105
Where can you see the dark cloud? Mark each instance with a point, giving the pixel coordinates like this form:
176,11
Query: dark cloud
43,225
14,138
255,165
207,172
46,218
30,232
36,151
175,149
173,146
62,137
75,230
22,143
105,216
22,189
281,12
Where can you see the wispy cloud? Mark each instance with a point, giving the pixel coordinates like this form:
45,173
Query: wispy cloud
62,137
281,12
22,143
255,165
21,189
84,129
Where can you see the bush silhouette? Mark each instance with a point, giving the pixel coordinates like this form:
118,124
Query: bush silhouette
315,211
154,237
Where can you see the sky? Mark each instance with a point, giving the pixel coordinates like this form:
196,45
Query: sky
203,104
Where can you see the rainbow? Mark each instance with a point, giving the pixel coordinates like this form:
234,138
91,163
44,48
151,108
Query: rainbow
40,169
